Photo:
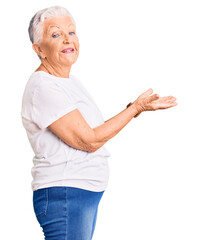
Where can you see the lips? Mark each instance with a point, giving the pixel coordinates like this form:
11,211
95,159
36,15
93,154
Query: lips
68,50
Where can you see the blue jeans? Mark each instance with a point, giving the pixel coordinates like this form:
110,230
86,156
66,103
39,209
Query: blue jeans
66,213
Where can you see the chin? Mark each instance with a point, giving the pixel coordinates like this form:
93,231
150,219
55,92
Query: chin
74,60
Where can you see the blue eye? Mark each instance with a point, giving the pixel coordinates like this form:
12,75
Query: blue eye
58,34
55,35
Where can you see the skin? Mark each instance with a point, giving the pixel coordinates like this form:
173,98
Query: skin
72,128
54,40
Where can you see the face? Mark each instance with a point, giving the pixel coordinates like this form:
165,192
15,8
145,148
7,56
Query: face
59,33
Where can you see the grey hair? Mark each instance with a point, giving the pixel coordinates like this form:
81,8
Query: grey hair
35,29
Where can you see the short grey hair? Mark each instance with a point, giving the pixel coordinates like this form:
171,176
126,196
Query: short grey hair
35,29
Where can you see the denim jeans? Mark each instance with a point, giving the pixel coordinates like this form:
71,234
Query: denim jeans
66,213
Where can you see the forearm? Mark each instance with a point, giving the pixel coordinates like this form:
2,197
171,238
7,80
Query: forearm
112,126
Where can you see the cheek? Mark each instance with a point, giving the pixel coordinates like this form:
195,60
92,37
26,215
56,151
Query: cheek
52,44
49,48
55,49
76,43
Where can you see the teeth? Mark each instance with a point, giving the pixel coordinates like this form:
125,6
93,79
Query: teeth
70,50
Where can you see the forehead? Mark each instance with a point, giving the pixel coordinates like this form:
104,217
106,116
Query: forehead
62,22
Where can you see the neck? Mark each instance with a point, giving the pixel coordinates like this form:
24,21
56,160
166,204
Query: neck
57,71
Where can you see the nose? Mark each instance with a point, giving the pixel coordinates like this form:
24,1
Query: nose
66,39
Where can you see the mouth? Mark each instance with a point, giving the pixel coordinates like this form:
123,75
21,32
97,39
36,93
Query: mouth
68,50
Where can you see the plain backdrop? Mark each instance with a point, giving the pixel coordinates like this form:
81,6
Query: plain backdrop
126,47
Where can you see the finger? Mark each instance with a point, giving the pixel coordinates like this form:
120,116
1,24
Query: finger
171,105
154,97
168,99
166,105
148,92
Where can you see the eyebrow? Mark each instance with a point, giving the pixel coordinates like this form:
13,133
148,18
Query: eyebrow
58,27
50,27
53,26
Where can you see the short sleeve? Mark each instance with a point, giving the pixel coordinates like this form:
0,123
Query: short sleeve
50,102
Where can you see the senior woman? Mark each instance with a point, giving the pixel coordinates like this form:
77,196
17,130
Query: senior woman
67,131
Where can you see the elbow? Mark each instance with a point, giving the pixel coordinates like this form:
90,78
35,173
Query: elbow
88,147
95,145
92,148
91,143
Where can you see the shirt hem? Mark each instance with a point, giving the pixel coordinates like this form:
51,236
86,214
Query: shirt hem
72,184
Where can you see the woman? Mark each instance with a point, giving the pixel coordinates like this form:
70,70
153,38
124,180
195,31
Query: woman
67,131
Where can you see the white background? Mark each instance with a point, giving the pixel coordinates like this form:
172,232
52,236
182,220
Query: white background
126,47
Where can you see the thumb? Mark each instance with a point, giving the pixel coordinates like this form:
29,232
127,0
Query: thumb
148,92
154,97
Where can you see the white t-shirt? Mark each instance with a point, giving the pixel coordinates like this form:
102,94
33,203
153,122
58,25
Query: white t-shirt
46,98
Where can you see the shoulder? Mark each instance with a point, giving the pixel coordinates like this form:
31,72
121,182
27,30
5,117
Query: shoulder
43,85
78,83
39,80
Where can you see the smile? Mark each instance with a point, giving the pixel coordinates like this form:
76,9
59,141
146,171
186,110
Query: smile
68,50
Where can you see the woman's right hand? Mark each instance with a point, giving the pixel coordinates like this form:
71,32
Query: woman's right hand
151,103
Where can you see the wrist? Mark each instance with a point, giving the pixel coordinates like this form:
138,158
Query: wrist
129,104
135,107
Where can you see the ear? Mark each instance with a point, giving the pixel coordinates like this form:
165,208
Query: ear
38,50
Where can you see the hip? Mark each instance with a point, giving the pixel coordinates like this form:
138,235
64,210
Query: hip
66,211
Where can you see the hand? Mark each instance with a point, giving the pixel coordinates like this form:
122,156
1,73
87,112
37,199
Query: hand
151,103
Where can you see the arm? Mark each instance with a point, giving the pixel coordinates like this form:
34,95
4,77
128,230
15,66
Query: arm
73,129
127,107
113,126
144,102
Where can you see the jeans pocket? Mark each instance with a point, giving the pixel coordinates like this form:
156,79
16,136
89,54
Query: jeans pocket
40,202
